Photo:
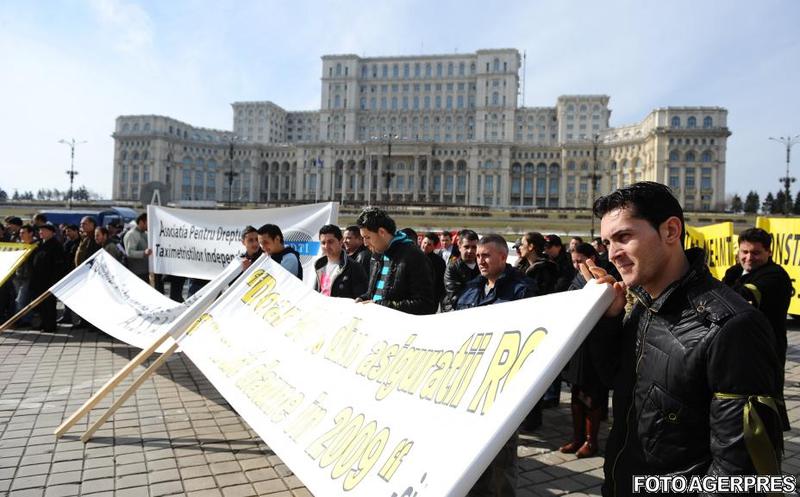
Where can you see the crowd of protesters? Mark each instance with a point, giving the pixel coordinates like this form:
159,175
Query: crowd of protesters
695,365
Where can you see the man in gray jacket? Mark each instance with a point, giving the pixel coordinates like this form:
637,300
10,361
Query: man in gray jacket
136,247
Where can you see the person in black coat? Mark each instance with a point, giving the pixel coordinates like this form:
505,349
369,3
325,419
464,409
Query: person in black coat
764,284
555,251
355,248
497,283
400,276
438,266
337,275
460,270
535,264
590,371
47,268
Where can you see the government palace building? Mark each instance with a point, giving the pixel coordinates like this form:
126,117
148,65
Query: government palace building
428,129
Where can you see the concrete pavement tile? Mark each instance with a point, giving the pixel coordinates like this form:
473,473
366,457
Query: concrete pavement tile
29,482
230,479
29,492
127,481
210,492
195,472
245,490
68,477
269,487
163,476
62,490
202,483
219,468
161,464
33,469
131,469
102,485
261,474
97,473
166,488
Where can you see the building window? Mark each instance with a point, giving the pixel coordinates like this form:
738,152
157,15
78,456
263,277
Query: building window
674,178
673,156
690,156
706,156
676,122
691,122
708,122
689,179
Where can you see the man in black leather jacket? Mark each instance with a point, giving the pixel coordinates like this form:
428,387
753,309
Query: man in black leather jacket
400,276
695,356
461,269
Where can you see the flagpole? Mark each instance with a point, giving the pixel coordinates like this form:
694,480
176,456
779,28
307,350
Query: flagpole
110,385
128,392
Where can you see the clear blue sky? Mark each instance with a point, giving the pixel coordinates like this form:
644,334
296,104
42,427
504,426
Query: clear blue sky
70,67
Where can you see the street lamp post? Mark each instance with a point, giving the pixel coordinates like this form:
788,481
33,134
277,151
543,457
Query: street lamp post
72,143
789,142
594,177
231,174
389,174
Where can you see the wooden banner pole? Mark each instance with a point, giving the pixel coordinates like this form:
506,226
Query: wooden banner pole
25,310
128,392
110,385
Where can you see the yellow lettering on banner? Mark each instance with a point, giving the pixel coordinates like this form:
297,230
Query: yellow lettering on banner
786,251
436,378
346,344
308,419
230,366
383,361
465,379
718,243
390,466
366,365
273,395
259,282
508,359
351,446
204,319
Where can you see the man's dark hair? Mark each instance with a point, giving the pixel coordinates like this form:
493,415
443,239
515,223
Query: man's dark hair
141,217
410,233
646,200
373,218
432,237
467,234
247,230
586,249
331,229
580,240
13,220
27,227
353,230
447,233
494,238
40,218
73,227
94,221
272,231
756,235
597,239
102,230
536,239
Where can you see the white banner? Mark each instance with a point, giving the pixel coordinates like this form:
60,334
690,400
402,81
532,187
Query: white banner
199,243
12,255
105,293
362,400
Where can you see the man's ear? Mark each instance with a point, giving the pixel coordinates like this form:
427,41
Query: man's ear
671,230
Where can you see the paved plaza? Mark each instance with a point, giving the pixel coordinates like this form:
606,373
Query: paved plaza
178,436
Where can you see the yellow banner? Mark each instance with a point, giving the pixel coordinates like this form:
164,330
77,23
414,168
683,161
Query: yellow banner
719,243
12,255
785,250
